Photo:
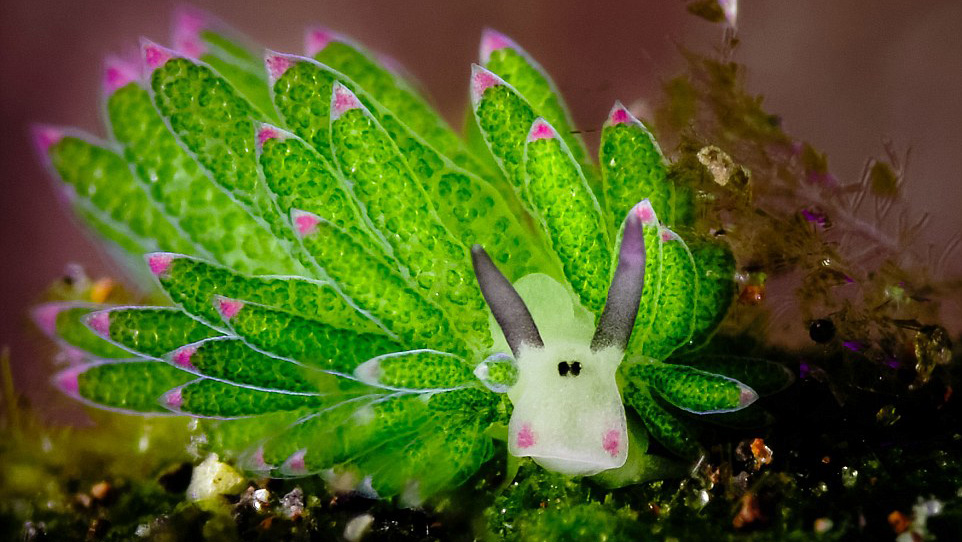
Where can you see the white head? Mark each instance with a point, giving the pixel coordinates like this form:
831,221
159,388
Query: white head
568,414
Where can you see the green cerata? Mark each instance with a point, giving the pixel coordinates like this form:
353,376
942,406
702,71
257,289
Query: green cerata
357,291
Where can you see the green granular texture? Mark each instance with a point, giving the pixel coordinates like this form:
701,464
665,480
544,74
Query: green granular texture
632,169
539,91
217,125
233,438
131,385
193,283
303,97
503,373
648,308
478,402
462,451
131,246
471,208
675,313
689,388
672,432
423,370
570,216
308,341
216,399
683,206
467,204
504,119
300,178
154,331
398,206
178,185
763,376
310,432
102,177
70,328
379,289
248,77
715,269
398,97
375,425
232,360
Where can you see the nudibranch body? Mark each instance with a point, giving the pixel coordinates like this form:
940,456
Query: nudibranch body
311,221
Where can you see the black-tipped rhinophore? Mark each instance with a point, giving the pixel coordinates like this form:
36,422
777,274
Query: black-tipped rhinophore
506,305
624,294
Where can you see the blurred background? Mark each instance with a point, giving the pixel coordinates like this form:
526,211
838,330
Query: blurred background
845,76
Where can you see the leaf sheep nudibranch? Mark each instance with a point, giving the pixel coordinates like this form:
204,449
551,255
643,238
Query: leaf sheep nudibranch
355,291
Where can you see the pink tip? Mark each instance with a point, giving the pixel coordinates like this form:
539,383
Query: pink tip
619,114
173,399
491,41
45,316
316,39
188,24
482,80
747,396
541,130
229,308
99,322
154,55
182,357
277,65
69,381
266,132
295,464
645,213
257,462
45,137
305,223
118,73
342,100
159,263
525,437
612,442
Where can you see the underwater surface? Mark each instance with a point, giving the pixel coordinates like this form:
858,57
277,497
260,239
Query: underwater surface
352,322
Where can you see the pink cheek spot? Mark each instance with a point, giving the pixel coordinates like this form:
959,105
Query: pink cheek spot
541,130
277,65
612,442
182,357
159,263
525,437
229,308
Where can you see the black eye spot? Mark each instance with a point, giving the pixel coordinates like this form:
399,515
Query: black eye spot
563,368
576,368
